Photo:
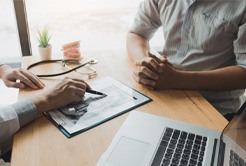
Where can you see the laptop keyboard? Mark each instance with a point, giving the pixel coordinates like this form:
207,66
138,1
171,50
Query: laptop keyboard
236,160
180,148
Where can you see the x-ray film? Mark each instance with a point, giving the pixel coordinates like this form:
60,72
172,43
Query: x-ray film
96,109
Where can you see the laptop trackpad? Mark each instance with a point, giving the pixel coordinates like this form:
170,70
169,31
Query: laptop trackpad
128,152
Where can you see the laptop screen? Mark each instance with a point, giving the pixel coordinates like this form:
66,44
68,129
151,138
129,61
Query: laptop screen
236,129
234,137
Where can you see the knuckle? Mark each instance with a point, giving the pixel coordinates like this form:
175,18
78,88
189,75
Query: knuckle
67,81
152,60
140,73
142,62
153,75
15,72
152,83
21,70
140,80
144,69
149,59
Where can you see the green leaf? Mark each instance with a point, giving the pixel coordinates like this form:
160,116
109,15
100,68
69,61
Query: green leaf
43,37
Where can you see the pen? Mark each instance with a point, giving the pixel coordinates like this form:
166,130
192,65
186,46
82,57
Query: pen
95,92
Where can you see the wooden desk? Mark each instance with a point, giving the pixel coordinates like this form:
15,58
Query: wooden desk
41,143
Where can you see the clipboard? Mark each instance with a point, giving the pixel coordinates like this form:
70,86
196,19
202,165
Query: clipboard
94,110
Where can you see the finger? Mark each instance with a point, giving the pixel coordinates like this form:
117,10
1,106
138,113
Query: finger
82,81
158,60
165,61
148,61
80,92
161,59
18,85
77,91
75,86
137,73
154,57
24,79
144,81
79,84
147,72
33,79
140,74
148,87
152,64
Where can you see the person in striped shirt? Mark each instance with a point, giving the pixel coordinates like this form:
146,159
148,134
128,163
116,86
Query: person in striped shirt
204,48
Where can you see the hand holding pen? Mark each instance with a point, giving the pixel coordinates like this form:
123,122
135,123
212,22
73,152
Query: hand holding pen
95,92
89,90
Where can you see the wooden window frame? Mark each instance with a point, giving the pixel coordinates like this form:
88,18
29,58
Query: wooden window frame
22,26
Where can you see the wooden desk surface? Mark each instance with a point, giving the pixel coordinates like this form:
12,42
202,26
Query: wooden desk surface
41,143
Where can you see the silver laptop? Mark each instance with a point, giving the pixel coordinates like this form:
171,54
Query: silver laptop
146,139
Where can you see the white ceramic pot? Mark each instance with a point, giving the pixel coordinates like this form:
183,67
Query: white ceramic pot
45,52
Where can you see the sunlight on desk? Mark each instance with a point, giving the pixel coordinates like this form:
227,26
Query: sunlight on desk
8,95
31,142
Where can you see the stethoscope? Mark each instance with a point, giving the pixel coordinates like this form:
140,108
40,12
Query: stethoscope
64,64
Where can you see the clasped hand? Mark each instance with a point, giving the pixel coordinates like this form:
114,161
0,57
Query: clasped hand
155,73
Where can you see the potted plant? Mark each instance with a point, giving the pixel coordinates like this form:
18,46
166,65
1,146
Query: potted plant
45,49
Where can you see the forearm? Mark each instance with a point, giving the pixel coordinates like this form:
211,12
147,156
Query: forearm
136,46
228,78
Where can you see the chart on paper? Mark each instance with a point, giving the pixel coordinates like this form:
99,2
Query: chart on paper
94,109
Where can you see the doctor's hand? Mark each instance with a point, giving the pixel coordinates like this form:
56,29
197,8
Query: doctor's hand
66,91
148,69
19,78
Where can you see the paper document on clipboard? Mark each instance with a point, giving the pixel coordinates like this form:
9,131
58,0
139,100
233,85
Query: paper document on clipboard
95,109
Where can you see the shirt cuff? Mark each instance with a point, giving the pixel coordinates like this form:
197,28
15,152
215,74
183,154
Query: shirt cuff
26,111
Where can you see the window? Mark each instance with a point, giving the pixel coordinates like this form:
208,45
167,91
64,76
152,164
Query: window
98,24
10,51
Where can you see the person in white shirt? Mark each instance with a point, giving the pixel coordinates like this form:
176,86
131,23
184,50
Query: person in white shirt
13,117
204,48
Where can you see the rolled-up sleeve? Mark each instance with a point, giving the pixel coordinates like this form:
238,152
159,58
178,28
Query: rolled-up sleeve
240,44
147,19
26,111
13,117
9,122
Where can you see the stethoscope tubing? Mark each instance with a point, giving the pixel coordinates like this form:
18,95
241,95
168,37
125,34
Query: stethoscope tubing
57,60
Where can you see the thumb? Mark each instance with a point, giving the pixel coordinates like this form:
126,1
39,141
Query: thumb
165,61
